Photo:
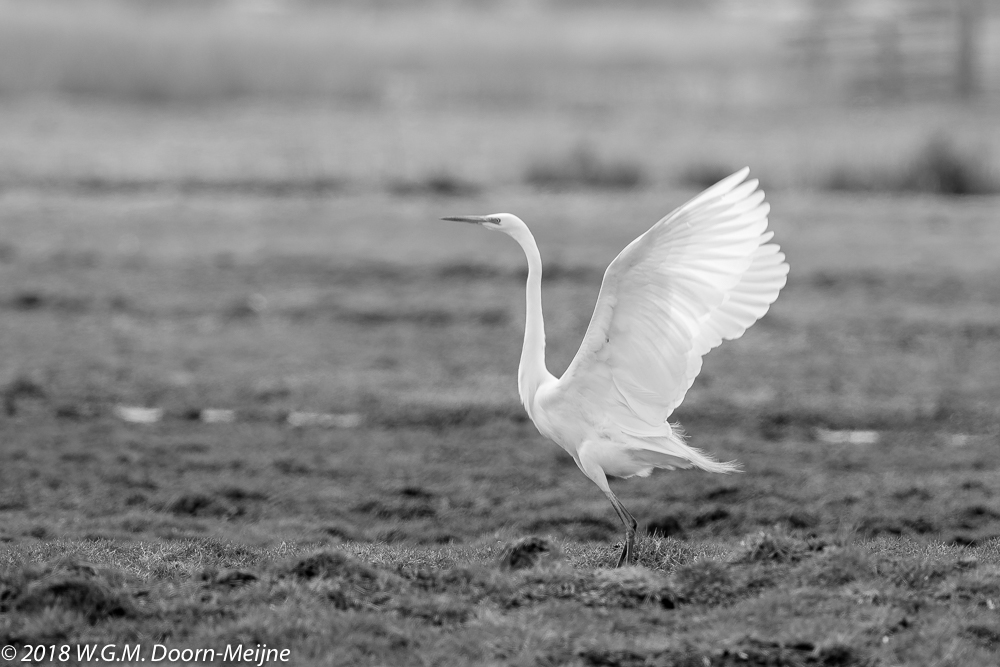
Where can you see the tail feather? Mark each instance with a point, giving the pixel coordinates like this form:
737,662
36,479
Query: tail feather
672,452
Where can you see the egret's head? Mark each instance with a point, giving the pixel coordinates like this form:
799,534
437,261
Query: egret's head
500,222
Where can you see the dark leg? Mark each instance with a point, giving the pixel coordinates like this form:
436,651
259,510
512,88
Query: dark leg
628,551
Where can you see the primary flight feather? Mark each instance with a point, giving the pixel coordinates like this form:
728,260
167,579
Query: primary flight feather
701,275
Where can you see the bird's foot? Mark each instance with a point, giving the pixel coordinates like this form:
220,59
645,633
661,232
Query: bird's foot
627,556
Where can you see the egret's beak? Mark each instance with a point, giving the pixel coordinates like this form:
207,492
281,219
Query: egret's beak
476,219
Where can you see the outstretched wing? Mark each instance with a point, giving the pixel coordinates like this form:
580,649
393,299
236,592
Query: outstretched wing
701,275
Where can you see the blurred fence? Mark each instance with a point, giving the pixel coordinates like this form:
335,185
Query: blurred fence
632,54
897,49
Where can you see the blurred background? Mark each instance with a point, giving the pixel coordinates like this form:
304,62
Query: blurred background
226,212
443,97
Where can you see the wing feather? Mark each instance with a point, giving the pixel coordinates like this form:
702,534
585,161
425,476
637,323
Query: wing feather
701,275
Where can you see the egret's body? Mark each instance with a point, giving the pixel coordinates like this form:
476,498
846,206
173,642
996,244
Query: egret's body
702,274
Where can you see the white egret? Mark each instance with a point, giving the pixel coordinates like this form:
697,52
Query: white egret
701,275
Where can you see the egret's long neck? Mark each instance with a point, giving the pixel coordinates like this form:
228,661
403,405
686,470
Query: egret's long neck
532,371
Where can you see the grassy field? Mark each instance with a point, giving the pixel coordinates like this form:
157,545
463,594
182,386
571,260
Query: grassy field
271,248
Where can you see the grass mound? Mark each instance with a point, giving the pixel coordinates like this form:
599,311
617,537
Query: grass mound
439,610
472,581
924,573
345,582
94,593
19,387
751,652
837,567
529,552
397,598
986,636
229,578
771,547
767,653
704,582
940,168
199,504
630,587
89,597
333,565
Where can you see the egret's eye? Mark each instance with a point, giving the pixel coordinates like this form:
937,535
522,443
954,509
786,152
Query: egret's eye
495,220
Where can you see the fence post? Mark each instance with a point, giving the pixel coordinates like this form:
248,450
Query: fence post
890,79
970,16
